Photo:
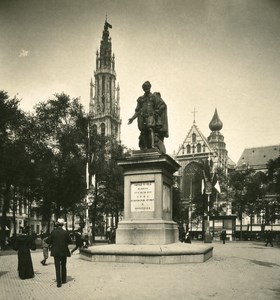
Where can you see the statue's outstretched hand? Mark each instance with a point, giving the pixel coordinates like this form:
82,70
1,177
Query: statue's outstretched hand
130,121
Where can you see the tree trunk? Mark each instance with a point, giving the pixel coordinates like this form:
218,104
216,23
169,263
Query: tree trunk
73,221
93,221
14,213
241,225
5,209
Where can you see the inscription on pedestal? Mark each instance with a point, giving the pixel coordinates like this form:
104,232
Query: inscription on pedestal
142,196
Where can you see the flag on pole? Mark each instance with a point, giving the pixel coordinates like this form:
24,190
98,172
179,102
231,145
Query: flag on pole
217,186
202,186
93,180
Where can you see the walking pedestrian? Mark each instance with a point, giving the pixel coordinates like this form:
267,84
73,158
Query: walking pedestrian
182,233
78,241
269,238
223,236
59,240
85,241
187,237
45,248
23,243
113,235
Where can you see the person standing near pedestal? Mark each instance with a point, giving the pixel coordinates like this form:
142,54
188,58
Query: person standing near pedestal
59,241
78,241
223,236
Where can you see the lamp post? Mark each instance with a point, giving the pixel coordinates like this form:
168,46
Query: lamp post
208,192
29,196
190,197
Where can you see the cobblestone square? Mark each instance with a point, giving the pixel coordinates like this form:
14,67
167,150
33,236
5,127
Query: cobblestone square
237,270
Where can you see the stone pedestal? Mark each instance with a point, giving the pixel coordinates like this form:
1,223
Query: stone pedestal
148,200
147,233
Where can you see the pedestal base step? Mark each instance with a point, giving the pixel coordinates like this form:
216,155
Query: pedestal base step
175,253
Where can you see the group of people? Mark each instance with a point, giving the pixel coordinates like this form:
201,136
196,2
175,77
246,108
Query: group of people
57,241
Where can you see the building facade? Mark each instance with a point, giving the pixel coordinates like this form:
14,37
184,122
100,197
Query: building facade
195,154
256,159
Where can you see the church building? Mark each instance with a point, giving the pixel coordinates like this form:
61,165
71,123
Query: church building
104,105
196,154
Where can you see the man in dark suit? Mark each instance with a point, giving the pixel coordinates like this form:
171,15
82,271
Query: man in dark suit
59,240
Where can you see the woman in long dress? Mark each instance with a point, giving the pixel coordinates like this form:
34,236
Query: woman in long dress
23,244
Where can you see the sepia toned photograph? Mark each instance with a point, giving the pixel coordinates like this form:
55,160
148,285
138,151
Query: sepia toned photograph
139,149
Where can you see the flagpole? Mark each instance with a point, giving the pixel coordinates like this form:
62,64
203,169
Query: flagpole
208,214
88,184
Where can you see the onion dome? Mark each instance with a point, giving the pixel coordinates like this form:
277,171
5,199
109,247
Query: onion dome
216,124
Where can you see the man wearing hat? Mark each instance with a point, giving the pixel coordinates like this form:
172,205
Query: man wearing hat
59,240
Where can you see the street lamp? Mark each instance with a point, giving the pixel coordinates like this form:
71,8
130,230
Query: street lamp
208,192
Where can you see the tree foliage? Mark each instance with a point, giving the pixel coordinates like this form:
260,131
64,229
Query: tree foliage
107,194
61,131
13,154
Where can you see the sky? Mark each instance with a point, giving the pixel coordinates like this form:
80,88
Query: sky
199,54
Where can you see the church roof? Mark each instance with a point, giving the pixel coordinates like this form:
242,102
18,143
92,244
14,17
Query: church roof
258,157
215,124
200,138
231,164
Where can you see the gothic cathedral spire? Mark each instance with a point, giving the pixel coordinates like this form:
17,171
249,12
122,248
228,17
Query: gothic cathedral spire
104,105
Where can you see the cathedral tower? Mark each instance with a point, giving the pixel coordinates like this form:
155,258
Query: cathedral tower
104,105
216,142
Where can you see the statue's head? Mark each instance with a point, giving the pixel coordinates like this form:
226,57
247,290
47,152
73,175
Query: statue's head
146,85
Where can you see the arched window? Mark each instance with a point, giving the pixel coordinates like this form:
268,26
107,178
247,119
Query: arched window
198,148
193,137
191,180
102,129
193,148
188,149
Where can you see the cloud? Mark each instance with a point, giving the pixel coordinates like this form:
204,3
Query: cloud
23,53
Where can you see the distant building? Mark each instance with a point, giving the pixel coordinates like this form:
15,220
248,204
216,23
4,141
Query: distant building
256,158
194,153
104,104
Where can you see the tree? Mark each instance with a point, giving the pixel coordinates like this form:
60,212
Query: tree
61,130
273,175
179,211
237,191
272,188
12,153
245,190
107,189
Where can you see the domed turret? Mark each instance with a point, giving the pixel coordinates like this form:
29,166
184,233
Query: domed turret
216,124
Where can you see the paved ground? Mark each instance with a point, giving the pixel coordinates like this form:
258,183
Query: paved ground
237,270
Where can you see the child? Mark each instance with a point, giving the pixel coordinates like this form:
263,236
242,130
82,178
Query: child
45,248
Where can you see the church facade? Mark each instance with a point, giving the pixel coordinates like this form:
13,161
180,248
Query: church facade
196,155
